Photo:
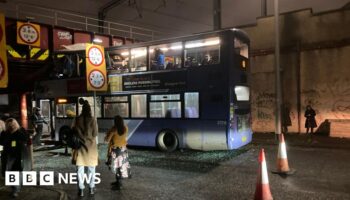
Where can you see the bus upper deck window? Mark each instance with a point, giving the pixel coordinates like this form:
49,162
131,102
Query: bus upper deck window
165,56
65,66
202,52
119,61
138,59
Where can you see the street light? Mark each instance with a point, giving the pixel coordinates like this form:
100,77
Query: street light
277,69
97,41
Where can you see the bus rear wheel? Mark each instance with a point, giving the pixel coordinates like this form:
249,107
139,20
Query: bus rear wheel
167,140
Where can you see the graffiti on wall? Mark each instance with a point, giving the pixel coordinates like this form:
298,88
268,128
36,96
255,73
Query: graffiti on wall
330,100
311,97
263,110
341,106
340,91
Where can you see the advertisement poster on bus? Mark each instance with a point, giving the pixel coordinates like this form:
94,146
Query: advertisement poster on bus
174,80
96,75
3,56
28,34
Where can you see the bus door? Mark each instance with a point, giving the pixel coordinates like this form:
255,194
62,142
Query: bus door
231,126
239,126
45,106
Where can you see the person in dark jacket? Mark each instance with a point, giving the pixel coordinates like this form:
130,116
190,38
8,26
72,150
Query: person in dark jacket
310,122
38,123
286,120
15,141
3,161
158,61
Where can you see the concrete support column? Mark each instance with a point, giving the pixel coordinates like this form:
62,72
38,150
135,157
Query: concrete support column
263,8
217,14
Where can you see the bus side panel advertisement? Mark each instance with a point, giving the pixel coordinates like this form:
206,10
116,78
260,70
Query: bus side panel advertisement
174,80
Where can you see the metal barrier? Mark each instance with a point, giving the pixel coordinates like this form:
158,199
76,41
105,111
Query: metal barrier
80,22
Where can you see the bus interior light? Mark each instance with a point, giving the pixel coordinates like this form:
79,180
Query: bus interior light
164,49
202,44
62,101
176,47
125,53
243,64
138,53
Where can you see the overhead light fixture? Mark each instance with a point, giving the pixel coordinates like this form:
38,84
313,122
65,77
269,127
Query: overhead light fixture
97,40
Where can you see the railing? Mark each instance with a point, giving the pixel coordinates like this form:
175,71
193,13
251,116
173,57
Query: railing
80,22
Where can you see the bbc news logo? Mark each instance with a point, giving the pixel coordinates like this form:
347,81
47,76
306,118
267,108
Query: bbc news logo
46,178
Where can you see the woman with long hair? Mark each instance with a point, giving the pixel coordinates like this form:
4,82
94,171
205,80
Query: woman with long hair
117,153
87,156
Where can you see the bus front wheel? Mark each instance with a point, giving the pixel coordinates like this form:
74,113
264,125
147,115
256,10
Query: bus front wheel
64,134
167,140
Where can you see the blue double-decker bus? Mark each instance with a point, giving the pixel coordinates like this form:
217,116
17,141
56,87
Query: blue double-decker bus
186,92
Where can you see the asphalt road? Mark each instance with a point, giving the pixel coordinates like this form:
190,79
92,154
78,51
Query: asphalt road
321,173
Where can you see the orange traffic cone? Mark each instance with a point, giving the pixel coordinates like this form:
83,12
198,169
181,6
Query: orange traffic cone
282,161
262,191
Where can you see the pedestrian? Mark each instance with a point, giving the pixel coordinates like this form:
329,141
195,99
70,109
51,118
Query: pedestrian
2,133
86,157
15,141
38,123
158,62
286,120
310,122
117,153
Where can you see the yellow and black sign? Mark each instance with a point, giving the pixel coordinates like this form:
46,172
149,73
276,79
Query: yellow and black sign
28,34
3,56
96,76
